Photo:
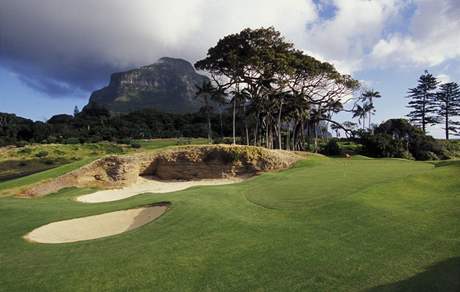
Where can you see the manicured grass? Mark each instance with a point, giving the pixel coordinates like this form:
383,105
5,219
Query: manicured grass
12,169
51,173
325,225
162,143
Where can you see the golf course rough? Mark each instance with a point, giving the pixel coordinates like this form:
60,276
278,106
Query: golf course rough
96,226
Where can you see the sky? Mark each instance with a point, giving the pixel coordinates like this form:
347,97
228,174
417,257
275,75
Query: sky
54,53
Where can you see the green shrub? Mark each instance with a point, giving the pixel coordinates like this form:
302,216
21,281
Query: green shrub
427,155
25,151
58,152
125,141
398,138
48,161
21,144
331,148
42,154
72,141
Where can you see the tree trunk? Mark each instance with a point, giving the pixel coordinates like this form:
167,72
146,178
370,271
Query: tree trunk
256,131
279,126
423,116
316,136
447,123
234,120
246,124
221,123
294,135
209,121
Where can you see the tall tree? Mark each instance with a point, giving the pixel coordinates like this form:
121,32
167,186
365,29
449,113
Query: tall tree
249,61
423,101
368,96
206,91
449,107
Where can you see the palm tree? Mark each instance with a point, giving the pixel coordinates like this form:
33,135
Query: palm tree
368,97
360,113
207,92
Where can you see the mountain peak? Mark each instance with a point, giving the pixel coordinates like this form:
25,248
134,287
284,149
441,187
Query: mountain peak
169,85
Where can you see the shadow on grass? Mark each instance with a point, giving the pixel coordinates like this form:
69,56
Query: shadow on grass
447,163
443,276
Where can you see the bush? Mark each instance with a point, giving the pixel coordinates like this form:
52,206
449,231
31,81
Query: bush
427,155
58,152
21,144
331,148
25,151
48,162
72,140
125,141
398,138
42,154
136,145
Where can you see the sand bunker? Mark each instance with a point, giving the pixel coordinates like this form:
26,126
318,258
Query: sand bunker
97,226
150,185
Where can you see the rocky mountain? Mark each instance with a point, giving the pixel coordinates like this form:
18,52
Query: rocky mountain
167,85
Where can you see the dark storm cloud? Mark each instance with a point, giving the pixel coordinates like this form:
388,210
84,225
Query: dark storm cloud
66,46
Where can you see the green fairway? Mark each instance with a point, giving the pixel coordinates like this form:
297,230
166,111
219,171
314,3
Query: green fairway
51,173
325,225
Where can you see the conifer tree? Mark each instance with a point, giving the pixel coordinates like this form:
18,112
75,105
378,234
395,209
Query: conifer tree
423,102
76,111
449,107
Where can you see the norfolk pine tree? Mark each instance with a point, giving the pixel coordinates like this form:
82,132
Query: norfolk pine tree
449,107
423,102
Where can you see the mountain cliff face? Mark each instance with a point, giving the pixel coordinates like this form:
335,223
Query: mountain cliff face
168,86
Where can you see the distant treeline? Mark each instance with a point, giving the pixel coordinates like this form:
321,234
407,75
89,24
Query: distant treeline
94,124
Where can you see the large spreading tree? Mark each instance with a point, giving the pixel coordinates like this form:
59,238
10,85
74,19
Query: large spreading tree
279,90
423,103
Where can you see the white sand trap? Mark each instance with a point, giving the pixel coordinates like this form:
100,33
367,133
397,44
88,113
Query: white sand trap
97,226
148,185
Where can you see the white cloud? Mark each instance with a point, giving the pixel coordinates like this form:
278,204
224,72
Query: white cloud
432,37
444,78
67,40
65,44
347,37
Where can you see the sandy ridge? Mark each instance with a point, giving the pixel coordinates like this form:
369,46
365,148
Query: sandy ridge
149,185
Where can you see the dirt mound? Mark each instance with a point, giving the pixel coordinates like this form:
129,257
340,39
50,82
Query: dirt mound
220,161
96,226
180,163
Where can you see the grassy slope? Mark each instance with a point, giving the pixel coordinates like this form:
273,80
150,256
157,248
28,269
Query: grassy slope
51,173
326,225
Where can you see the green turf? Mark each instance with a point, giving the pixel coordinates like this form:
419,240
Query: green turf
51,173
162,143
325,225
